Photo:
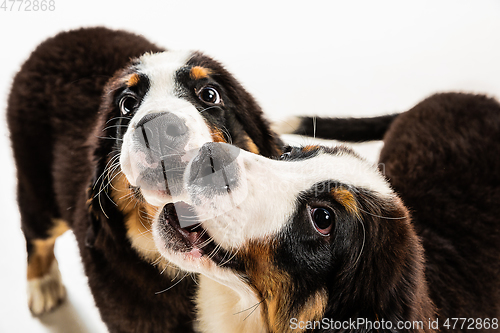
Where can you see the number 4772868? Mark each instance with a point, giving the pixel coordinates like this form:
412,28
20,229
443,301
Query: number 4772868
471,323
28,5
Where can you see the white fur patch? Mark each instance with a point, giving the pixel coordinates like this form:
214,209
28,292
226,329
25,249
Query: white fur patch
272,190
161,68
47,292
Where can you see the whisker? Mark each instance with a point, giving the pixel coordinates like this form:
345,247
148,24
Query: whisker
382,217
228,134
116,118
108,138
314,127
210,107
253,306
363,245
117,125
162,291
193,277
230,258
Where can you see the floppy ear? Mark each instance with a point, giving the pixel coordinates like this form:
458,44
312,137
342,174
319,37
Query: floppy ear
257,127
105,145
102,210
250,115
388,281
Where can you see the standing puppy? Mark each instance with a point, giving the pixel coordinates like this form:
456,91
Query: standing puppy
102,123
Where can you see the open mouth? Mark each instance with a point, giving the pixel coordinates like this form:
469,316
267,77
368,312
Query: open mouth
183,233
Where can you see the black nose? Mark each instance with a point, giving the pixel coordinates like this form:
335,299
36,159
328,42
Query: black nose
214,169
164,132
173,125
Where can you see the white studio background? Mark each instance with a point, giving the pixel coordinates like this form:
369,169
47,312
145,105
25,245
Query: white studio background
337,58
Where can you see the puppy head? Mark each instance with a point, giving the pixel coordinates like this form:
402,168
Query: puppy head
163,107
153,113
317,233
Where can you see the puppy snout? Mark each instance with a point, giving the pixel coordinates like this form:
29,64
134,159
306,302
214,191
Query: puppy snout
159,142
164,133
215,169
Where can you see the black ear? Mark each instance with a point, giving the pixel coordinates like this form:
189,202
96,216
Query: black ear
379,266
250,115
392,265
102,209
104,146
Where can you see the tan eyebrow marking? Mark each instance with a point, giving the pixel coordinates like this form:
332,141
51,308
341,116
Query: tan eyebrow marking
133,80
346,199
198,72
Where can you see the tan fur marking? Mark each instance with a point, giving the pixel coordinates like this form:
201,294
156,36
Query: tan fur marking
217,135
346,199
273,285
42,254
41,258
138,221
309,148
314,308
252,147
133,80
198,72
60,228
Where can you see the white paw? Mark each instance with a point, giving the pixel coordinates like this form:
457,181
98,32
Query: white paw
47,292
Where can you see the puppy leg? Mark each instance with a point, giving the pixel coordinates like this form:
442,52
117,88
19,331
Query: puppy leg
45,288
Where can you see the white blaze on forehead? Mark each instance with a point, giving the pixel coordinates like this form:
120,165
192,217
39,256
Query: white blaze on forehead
344,168
160,68
273,189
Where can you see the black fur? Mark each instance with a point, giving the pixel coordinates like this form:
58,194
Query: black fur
442,157
345,129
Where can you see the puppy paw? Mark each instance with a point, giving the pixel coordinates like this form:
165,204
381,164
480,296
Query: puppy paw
47,292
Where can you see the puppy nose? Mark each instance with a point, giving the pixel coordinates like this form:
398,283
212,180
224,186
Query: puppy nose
159,140
214,169
174,126
164,133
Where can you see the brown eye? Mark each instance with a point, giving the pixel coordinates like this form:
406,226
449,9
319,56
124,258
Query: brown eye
209,95
127,104
322,219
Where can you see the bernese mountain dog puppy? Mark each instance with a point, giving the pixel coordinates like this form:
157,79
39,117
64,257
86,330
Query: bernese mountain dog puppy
321,241
102,123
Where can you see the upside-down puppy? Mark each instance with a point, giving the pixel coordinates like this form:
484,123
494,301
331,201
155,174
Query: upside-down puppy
102,123
319,241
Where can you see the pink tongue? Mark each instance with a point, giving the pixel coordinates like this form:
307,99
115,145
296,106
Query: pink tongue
195,252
